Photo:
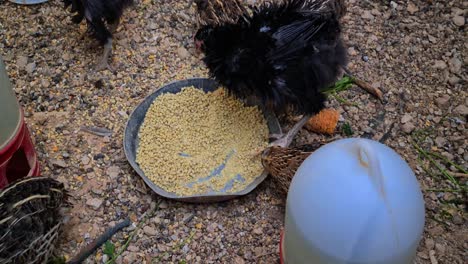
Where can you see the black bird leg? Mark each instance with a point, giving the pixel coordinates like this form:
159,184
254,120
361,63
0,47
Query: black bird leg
104,62
113,26
287,139
283,140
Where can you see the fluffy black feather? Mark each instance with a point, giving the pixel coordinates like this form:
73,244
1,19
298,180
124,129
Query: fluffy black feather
97,13
284,54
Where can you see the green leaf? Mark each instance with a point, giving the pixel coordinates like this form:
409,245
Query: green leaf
109,249
347,130
341,85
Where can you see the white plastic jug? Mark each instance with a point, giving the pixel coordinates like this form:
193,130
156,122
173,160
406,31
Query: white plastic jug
353,201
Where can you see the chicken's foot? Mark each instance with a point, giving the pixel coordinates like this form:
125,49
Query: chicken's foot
103,63
287,139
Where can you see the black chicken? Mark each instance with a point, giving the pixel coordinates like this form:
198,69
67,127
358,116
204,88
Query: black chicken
283,54
102,17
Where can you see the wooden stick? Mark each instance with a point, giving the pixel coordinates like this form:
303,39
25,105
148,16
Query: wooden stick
459,174
365,85
368,88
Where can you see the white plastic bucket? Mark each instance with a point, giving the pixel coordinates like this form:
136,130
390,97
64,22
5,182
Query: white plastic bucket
353,201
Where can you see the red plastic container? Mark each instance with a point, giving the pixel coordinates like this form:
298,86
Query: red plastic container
18,158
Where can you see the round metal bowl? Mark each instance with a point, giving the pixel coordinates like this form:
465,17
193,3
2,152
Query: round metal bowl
136,119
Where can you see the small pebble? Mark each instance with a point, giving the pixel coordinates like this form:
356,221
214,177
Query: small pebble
258,231
367,15
59,163
440,141
457,219
430,243
133,248
85,160
440,248
443,100
113,172
352,51
412,8
21,62
163,205
406,118
30,67
183,53
455,65
459,20
439,64
454,80
95,203
149,231
408,127
461,109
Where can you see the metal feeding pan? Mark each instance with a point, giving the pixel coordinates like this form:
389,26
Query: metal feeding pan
131,141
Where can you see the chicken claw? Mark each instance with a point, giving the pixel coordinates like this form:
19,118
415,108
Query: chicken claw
286,140
104,65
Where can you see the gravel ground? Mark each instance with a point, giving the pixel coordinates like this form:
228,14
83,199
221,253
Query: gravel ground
414,51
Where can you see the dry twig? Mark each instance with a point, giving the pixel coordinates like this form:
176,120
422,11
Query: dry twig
365,85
